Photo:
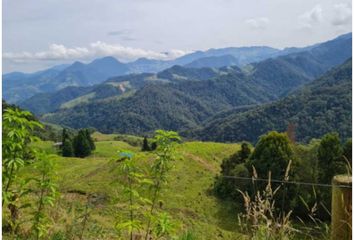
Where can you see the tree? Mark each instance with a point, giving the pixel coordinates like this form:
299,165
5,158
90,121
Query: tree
153,146
64,135
82,147
347,150
272,153
330,163
67,149
146,146
330,160
228,164
90,140
234,165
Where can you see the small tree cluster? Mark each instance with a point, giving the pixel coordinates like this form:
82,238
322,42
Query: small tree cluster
80,146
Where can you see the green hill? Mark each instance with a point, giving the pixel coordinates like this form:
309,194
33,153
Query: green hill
190,204
321,106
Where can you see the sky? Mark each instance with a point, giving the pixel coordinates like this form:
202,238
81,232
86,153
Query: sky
43,33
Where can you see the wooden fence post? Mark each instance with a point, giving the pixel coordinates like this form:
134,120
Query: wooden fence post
341,227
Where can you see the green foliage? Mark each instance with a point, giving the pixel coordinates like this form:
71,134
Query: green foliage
90,140
133,178
82,144
271,154
47,189
67,148
233,166
157,225
145,146
347,151
166,142
330,158
17,135
322,106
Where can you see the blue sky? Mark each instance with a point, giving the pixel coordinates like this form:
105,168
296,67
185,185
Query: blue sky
42,33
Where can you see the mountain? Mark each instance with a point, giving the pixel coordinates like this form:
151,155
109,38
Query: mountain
214,62
20,86
276,76
181,98
321,106
243,55
17,87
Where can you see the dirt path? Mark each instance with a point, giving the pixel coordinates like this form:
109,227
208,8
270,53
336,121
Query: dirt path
203,162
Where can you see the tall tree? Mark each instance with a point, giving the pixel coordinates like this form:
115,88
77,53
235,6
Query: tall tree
330,161
145,146
67,149
82,146
272,153
90,140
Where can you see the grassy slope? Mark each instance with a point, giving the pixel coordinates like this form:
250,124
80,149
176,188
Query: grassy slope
186,198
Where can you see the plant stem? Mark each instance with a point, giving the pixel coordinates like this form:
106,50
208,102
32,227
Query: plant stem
131,205
157,189
40,205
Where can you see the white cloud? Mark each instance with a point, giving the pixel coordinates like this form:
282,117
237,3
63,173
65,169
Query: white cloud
97,49
257,23
342,14
312,17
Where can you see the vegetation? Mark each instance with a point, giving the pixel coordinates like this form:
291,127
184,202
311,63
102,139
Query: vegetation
109,186
186,103
319,107
80,146
136,200
275,157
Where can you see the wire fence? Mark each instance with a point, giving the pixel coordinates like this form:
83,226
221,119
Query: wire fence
285,181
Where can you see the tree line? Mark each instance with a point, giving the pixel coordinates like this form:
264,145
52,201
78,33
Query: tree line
277,157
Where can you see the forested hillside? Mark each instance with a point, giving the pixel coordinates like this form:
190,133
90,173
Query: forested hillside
182,98
321,106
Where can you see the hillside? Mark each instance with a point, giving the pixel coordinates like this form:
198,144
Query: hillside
190,204
321,106
190,96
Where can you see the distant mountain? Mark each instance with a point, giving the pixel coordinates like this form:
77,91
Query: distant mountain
113,87
174,106
182,98
20,86
214,62
243,55
17,87
321,106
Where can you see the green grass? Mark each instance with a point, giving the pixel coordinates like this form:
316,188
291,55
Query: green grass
78,100
186,198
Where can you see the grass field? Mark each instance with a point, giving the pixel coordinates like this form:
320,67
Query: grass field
187,198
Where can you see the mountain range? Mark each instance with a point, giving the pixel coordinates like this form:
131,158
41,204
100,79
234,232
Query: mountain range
196,100
19,86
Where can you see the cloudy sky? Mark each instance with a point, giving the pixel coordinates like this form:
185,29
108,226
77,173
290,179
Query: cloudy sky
42,33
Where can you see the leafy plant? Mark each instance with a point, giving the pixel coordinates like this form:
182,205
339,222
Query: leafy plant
47,193
166,142
132,177
18,128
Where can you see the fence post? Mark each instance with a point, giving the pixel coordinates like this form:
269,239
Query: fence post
341,227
